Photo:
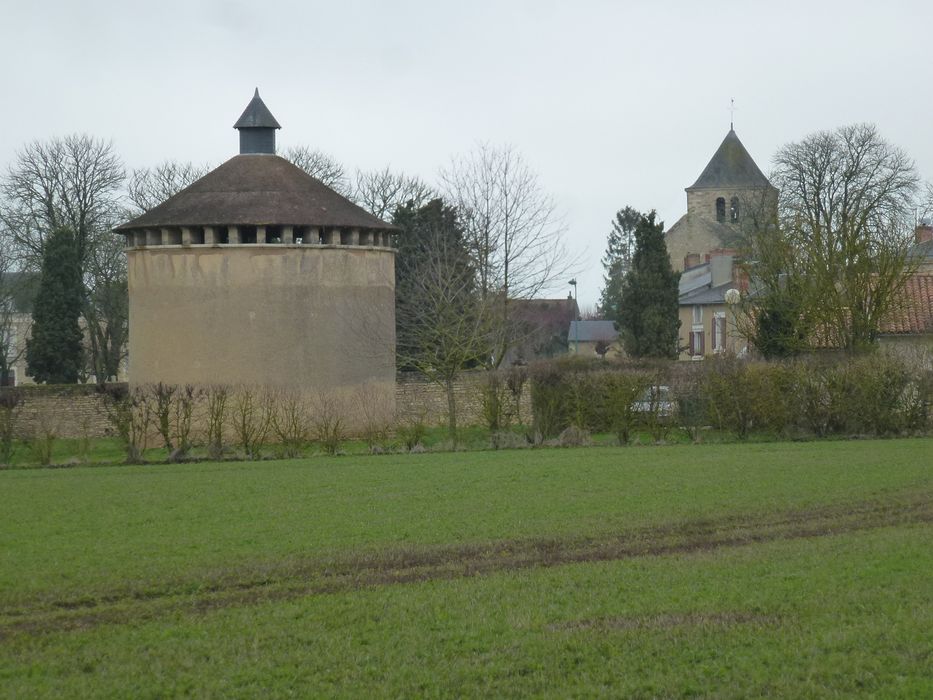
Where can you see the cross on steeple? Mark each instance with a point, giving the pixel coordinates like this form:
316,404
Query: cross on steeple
732,114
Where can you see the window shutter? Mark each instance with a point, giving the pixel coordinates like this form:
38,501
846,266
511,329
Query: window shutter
693,343
715,331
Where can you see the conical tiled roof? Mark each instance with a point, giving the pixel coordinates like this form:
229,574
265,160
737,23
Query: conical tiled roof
257,190
256,115
731,166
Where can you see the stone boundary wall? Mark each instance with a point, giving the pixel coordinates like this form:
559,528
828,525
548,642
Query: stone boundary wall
78,411
70,411
416,397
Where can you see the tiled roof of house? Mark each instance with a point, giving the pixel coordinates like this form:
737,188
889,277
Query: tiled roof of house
914,315
540,327
706,295
592,331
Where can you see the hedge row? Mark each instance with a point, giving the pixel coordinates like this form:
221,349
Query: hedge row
874,395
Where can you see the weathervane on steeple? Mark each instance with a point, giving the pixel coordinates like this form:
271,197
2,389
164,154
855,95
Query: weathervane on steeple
732,114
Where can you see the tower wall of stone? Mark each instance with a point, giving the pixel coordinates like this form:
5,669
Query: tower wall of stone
305,318
689,235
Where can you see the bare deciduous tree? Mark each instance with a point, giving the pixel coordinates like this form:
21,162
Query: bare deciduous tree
925,210
381,192
71,182
512,228
319,165
846,210
446,323
74,182
106,309
149,187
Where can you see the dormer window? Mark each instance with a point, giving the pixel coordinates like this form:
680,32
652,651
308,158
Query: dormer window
720,209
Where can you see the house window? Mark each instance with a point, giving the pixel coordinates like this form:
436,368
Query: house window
720,209
719,332
697,343
697,334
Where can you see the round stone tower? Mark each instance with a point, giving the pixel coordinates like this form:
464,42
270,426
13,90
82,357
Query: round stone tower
260,274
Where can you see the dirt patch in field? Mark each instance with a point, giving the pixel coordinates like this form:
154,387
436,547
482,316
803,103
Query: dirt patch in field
666,621
297,577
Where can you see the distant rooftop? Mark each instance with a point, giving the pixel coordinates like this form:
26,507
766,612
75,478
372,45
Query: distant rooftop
592,331
913,313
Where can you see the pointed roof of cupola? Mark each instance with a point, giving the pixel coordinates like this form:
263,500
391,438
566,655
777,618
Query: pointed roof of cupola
256,115
730,166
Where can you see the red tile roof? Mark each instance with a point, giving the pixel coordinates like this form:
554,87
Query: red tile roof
914,314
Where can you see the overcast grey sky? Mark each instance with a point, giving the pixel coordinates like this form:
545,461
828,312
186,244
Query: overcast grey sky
612,103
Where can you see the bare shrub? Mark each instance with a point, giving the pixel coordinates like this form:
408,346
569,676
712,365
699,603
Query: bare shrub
328,422
374,410
10,402
574,436
128,412
218,396
881,395
84,441
411,431
918,396
547,404
508,440
692,405
290,420
622,391
183,406
496,401
41,441
516,379
252,412
162,400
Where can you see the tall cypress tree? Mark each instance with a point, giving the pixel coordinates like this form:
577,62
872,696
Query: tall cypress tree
53,352
648,315
620,246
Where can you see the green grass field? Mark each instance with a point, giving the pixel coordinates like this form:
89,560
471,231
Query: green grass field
781,569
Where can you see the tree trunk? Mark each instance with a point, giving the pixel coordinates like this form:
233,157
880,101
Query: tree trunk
451,411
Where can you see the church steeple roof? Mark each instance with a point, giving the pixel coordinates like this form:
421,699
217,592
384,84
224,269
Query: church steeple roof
730,166
256,115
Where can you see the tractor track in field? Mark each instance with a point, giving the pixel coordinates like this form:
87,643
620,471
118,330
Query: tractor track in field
297,577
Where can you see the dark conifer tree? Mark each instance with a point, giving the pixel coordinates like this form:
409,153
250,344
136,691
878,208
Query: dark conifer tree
617,261
648,316
54,354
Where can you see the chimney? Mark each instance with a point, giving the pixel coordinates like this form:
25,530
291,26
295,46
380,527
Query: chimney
720,267
923,233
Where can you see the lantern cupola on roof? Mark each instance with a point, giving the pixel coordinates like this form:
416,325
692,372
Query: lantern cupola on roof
257,127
